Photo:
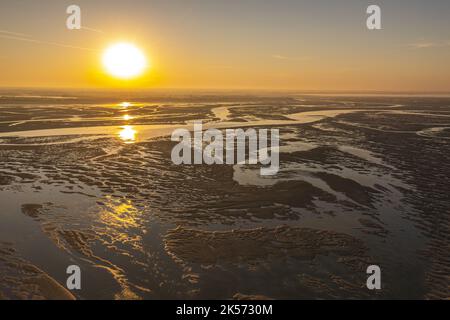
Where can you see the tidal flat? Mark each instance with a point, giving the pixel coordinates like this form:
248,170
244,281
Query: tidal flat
88,180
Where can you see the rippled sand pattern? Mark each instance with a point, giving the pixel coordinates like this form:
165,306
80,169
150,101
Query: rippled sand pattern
21,280
363,180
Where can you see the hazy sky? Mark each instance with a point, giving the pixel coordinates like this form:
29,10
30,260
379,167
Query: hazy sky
254,44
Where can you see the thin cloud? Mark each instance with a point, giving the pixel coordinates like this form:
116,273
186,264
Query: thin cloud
281,57
423,45
428,44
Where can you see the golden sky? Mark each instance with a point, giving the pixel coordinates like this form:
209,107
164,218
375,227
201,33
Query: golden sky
277,45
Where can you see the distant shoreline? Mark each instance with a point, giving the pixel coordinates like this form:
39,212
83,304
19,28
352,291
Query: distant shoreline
76,93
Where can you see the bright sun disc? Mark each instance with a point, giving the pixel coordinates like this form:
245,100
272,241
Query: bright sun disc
124,60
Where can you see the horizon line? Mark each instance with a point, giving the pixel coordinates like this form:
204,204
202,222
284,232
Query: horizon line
225,89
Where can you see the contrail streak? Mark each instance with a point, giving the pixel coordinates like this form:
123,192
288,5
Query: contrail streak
92,29
12,37
14,33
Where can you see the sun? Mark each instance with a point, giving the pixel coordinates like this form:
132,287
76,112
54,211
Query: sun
124,60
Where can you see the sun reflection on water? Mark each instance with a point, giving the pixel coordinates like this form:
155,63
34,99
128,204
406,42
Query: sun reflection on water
128,134
120,214
125,104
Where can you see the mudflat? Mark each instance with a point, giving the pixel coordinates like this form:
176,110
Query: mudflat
88,180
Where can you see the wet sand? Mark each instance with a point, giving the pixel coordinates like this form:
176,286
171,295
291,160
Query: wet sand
362,181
